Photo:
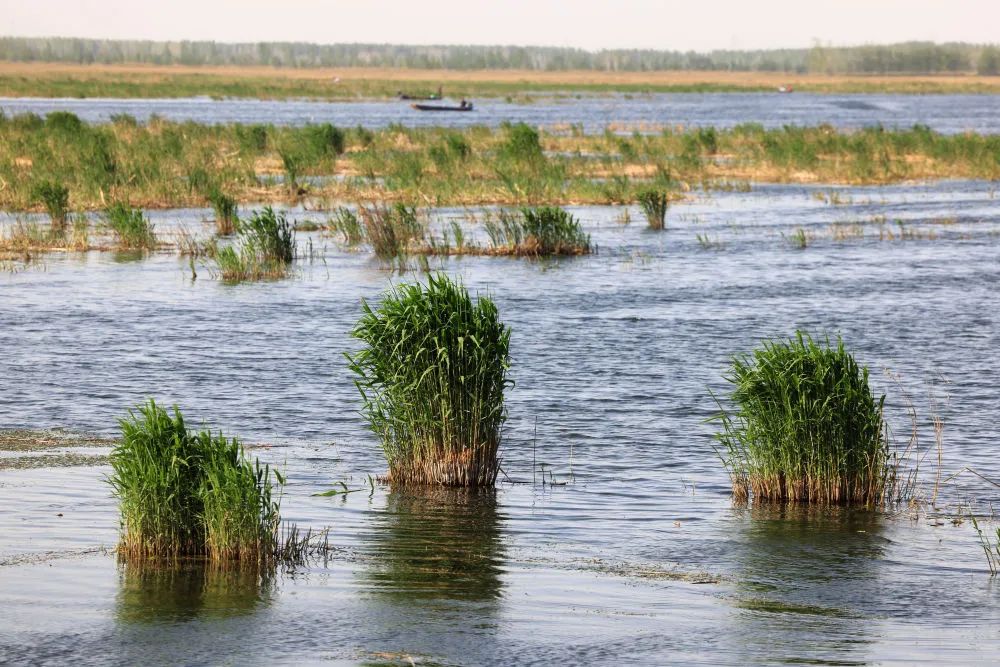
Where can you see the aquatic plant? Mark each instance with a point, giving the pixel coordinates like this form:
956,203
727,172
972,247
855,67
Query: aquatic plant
390,229
432,377
345,221
265,249
541,231
522,144
226,217
55,198
184,493
292,164
131,228
654,207
806,427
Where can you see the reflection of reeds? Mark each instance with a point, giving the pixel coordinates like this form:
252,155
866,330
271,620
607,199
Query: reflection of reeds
806,427
439,543
432,376
151,593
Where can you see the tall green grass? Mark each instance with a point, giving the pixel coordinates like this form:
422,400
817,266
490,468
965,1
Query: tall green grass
654,207
224,206
432,376
391,229
539,231
183,493
55,198
805,427
131,228
265,248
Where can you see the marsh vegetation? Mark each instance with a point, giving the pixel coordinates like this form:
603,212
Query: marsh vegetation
191,494
806,427
432,375
167,164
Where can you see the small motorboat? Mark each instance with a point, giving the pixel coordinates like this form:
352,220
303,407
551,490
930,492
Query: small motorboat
784,89
462,106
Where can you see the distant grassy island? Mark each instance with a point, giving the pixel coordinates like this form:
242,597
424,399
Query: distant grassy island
165,164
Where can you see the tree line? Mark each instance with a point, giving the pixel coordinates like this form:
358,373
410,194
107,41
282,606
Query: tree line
903,58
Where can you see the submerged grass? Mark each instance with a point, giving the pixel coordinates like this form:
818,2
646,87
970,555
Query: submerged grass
132,230
265,249
432,376
806,427
226,217
654,206
541,231
183,493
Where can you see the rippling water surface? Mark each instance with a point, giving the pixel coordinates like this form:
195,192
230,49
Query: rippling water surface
945,113
639,558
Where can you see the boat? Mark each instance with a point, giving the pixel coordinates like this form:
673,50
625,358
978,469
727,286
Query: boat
784,89
464,106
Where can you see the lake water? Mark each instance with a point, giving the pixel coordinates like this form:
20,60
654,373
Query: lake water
945,113
640,558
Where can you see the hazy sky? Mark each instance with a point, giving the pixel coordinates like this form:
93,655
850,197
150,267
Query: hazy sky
691,24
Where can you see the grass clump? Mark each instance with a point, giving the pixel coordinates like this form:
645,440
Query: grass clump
654,206
266,248
226,217
345,222
807,427
55,198
190,494
390,229
432,376
540,231
131,228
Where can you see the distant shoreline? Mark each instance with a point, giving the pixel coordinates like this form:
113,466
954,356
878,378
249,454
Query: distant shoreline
34,79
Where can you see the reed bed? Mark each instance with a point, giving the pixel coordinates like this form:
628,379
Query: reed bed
541,231
432,375
226,217
55,198
806,427
391,229
183,493
166,164
654,206
265,249
131,229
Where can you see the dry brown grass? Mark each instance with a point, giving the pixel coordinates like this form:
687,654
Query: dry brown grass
569,79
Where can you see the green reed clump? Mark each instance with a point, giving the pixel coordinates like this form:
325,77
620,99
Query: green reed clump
131,228
541,231
63,121
522,144
345,222
806,427
654,206
226,217
265,248
390,229
55,198
183,493
432,377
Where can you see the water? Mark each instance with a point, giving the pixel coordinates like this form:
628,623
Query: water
640,558
949,114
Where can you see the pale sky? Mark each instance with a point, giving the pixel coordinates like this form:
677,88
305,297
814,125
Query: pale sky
693,24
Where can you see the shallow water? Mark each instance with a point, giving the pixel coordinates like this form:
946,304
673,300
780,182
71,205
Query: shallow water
640,558
945,113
